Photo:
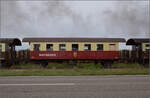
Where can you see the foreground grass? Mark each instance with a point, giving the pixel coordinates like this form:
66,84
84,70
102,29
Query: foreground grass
73,72
79,66
54,69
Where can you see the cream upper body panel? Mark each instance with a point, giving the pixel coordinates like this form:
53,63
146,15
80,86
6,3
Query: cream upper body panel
144,46
106,45
3,47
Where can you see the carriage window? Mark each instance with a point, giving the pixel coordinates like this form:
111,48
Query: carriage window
87,47
100,47
147,47
49,47
62,47
74,47
0,48
36,47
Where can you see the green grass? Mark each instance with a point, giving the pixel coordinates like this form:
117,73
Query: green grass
25,66
80,66
57,66
55,69
127,65
72,72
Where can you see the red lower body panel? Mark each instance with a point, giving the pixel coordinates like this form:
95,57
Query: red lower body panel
74,55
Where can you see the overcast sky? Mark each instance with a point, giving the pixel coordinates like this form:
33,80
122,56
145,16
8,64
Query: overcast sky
75,19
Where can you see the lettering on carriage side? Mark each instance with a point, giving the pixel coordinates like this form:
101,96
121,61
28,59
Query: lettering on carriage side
47,54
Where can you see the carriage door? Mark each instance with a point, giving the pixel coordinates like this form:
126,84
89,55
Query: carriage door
13,52
112,47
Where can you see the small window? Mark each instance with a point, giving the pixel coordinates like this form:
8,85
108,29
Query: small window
0,48
74,47
49,47
100,47
62,47
36,47
87,47
147,47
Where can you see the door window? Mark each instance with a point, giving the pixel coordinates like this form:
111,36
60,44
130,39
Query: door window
147,47
36,47
49,47
100,47
75,47
87,47
62,47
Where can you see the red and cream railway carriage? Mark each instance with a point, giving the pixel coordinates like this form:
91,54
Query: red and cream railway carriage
62,49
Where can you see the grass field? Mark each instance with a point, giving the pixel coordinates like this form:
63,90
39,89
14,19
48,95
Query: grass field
72,72
54,69
80,66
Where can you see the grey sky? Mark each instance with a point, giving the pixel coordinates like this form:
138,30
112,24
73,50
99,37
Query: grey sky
75,19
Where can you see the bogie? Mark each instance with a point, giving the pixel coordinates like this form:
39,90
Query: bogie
106,63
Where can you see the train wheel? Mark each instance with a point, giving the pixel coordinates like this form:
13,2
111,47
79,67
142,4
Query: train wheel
95,62
144,63
104,64
110,64
7,64
1,63
107,64
43,64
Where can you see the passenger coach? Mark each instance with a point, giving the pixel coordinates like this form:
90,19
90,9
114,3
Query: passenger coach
140,50
7,51
45,50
